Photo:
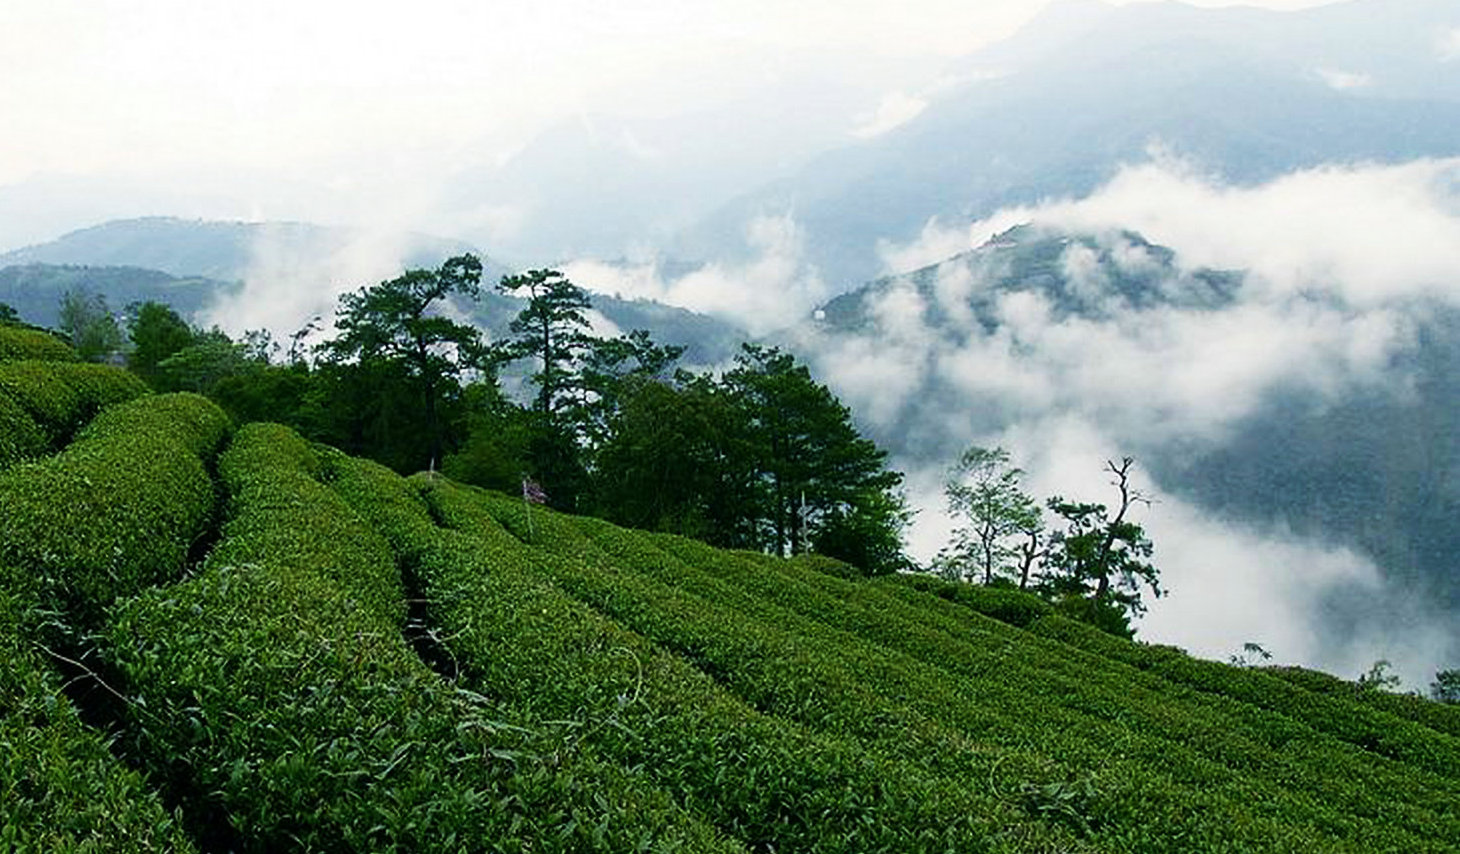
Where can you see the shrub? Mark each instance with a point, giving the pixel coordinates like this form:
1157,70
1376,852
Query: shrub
62,396
18,343
61,788
20,437
1214,752
1015,607
119,508
1440,717
766,780
280,700
829,565
1343,718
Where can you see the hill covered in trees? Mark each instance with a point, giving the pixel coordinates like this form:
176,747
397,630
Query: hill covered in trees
230,638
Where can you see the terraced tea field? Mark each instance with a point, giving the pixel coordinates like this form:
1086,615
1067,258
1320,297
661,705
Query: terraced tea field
218,638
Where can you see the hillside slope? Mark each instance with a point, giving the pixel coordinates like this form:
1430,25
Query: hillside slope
312,652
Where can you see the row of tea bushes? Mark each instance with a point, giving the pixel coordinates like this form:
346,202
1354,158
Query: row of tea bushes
1256,742
1441,717
625,810
119,508
42,404
788,667
1357,724
765,780
1087,717
742,640
1240,789
20,437
18,343
278,700
116,510
61,789
1014,607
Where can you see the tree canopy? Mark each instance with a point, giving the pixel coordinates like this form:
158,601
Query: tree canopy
983,492
90,325
394,338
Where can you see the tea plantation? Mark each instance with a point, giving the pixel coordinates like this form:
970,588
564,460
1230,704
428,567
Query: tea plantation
223,638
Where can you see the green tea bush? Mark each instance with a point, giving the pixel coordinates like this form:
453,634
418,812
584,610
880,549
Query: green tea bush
765,780
276,694
269,465
61,789
119,508
62,396
1440,717
20,437
829,565
1258,743
1062,713
634,813
1341,717
18,343
1015,607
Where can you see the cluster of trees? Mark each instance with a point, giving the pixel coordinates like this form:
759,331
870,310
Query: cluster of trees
1092,558
759,457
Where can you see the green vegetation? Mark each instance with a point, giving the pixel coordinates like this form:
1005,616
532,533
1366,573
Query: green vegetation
1093,567
247,640
89,324
46,402
61,788
119,508
1165,765
276,695
18,343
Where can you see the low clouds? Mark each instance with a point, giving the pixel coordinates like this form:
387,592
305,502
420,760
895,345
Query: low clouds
297,274
1448,46
773,289
1343,267
896,109
1343,81
1368,234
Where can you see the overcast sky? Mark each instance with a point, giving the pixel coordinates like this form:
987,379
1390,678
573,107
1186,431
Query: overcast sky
142,87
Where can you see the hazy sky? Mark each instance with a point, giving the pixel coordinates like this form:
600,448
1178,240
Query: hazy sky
141,87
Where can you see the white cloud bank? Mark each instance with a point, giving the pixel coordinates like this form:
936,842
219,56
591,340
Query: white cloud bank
1448,46
1343,264
896,109
775,288
294,276
1343,81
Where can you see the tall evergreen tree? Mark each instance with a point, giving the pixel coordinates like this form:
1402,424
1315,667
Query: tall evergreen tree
675,459
813,462
551,329
156,332
394,334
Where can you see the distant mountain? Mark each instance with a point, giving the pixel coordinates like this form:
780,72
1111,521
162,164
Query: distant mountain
1042,326
189,264
1026,258
35,290
225,251
1248,94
